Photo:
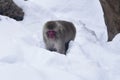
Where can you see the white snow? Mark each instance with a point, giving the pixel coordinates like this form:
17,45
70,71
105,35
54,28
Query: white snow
90,57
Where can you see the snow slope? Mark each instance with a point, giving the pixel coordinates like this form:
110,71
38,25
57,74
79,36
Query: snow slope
23,55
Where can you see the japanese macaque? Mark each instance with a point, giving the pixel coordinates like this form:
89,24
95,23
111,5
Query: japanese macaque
58,34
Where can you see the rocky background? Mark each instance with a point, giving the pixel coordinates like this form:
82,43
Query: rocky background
10,9
111,9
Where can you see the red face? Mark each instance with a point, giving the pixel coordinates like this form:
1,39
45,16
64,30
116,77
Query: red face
51,34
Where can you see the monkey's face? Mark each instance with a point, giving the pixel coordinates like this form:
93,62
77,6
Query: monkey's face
53,30
51,34
55,33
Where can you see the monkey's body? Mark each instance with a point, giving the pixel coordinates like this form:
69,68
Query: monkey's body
63,32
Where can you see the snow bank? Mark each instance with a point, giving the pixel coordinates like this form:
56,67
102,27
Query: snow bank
23,55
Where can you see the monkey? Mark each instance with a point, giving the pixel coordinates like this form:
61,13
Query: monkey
57,35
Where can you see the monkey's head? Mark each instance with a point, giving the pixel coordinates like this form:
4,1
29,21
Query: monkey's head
52,29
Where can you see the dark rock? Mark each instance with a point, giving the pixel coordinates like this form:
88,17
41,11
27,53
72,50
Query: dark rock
10,9
111,9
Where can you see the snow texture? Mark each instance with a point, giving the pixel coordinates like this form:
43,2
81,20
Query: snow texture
90,57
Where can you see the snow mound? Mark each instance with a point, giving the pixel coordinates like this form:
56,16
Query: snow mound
89,57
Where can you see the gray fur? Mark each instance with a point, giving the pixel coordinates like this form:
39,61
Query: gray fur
65,32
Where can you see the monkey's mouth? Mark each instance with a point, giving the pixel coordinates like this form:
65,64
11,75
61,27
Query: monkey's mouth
51,34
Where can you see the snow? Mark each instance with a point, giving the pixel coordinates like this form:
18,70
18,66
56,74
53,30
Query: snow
90,57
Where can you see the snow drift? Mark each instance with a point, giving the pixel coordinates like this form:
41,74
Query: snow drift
24,57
